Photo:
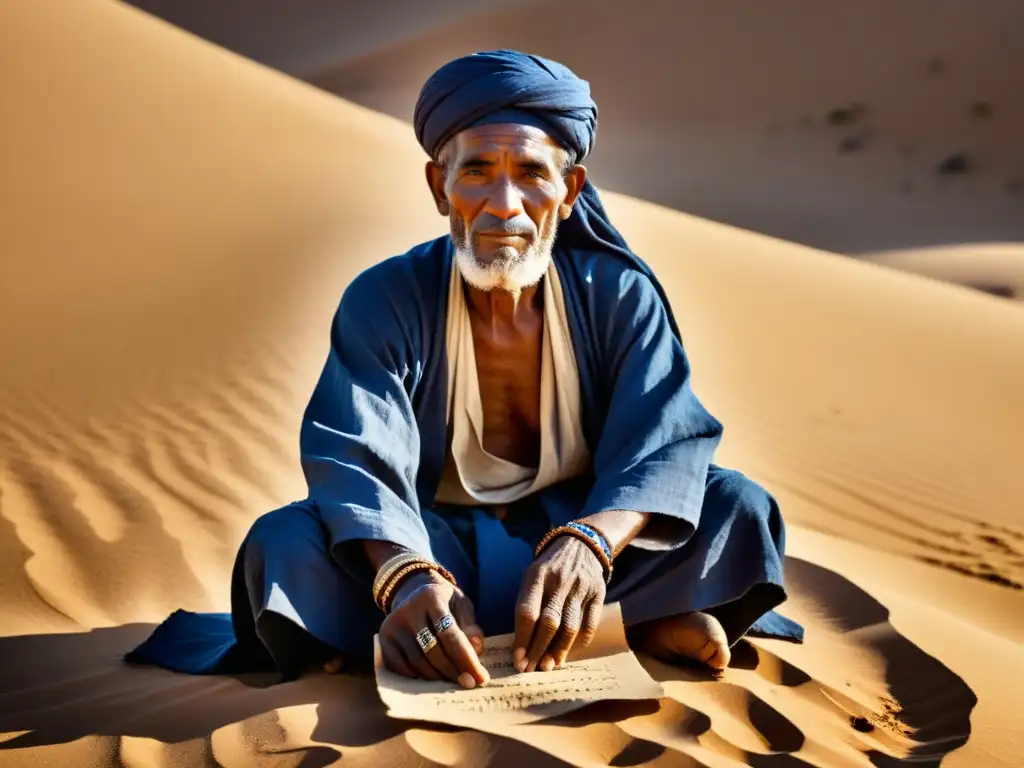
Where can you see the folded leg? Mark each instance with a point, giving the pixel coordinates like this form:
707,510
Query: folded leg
730,568
291,602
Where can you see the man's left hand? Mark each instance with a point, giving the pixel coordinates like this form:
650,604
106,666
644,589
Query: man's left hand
559,604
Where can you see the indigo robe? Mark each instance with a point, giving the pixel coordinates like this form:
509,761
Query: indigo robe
373,442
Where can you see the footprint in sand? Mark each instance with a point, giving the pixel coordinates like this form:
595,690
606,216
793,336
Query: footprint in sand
937,535
996,556
765,712
768,712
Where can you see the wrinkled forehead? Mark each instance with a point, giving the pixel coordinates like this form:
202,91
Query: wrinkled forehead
518,138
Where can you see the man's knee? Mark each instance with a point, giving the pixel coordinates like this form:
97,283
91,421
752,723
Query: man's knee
295,526
747,502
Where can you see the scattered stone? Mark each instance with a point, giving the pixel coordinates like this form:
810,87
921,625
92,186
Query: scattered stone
891,717
956,164
839,117
981,110
851,144
861,724
846,115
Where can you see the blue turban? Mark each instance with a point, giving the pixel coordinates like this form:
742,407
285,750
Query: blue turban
505,86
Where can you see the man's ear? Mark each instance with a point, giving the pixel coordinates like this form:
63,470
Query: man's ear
574,179
436,180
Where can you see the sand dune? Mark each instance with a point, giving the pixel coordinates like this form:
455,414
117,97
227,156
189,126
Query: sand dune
996,268
315,34
724,95
823,123
178,226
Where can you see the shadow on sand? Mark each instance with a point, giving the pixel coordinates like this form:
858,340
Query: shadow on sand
62,687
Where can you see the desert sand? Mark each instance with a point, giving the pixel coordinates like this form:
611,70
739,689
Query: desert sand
178,225
826,123
996,268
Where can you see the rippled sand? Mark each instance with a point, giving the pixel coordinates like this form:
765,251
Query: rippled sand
178,227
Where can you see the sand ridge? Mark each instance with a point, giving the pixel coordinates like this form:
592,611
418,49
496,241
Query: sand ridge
162,357
996,268
828,125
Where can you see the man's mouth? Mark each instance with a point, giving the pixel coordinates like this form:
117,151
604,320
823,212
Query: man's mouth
503,235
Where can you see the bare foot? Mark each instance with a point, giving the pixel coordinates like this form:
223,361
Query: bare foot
697,636
335,665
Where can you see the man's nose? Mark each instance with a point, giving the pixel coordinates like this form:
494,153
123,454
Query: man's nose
505,200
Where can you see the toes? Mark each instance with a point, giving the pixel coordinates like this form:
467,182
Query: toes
698,636
719,656
714,654
335,665
708,652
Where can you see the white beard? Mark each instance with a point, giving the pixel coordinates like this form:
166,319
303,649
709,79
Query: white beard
501,273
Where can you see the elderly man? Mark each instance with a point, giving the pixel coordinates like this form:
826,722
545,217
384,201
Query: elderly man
503,437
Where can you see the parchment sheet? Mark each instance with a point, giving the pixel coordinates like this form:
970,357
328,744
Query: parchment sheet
606,669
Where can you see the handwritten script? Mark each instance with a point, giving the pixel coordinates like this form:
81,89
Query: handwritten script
606,669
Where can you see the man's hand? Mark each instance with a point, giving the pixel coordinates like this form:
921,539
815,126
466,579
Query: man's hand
421,600
559,604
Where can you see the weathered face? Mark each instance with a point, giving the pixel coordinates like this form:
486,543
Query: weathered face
504,188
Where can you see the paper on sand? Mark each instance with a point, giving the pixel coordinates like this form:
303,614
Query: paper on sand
606,669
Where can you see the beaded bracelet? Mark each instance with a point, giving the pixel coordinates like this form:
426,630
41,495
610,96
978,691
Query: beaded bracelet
589,535
392,587
390,567
383,600
596,535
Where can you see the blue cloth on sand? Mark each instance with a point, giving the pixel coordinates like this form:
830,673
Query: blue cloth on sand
373,437
373,443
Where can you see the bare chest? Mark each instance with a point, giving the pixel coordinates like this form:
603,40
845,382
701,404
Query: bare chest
508,369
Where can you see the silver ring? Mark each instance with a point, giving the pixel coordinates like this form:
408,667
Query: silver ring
445,622
426,639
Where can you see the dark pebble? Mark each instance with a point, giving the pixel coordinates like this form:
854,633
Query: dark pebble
861,724
851,144
981,110
955,164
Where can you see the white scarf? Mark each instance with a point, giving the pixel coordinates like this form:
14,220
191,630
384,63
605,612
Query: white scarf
474,476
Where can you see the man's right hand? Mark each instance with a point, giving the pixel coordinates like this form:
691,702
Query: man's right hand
420,601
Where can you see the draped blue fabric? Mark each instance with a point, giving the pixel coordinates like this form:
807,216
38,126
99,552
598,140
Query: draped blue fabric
373,434
373,447
494,85
506,86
